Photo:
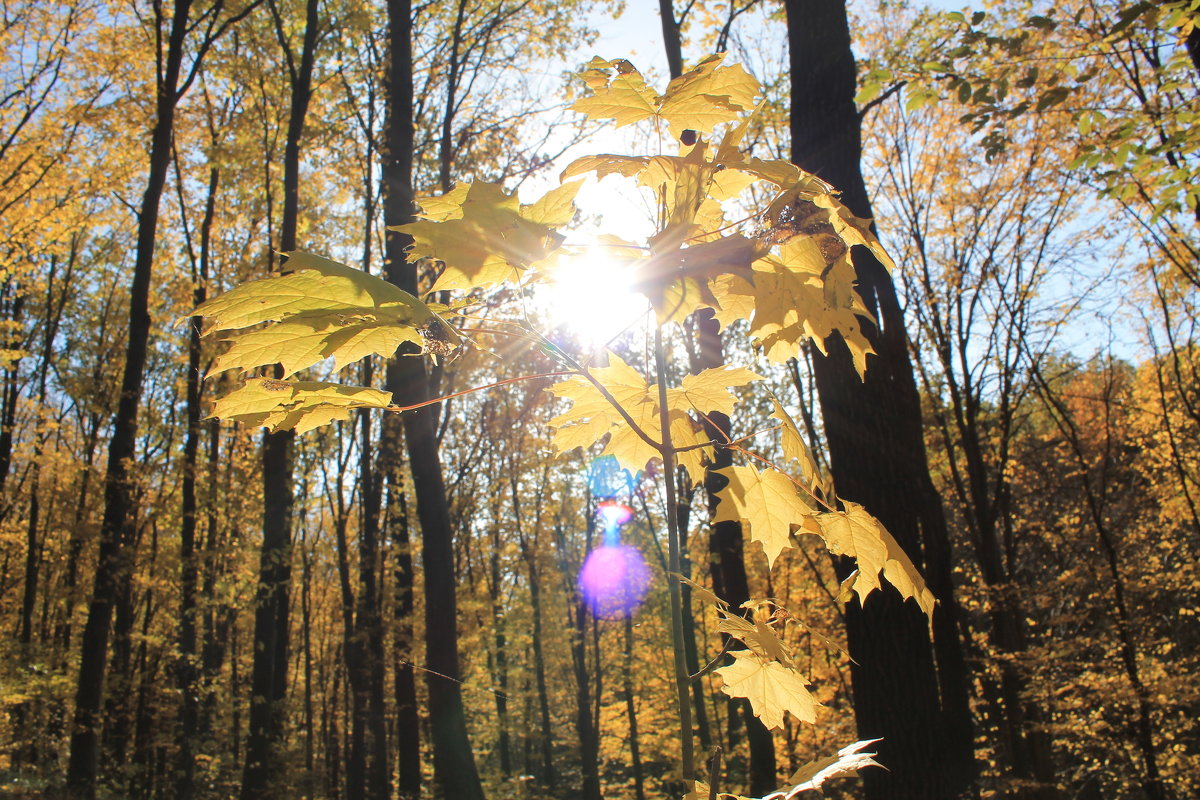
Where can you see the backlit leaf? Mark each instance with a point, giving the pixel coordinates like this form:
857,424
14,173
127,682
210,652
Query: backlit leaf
295,405
489,242
767,501
771,688
857,534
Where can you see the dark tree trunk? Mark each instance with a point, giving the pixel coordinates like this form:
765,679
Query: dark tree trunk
635,757
265,774
397,193
115,528
408,721
368,622
500,657
187,672
589,740
12,383
539,664
453,760
911,694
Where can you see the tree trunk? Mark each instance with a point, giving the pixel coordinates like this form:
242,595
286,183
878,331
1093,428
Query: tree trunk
635,758
877,452
265,774
453,759
187,672
115,527
589,741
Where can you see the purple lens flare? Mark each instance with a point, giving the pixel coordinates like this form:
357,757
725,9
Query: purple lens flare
614,580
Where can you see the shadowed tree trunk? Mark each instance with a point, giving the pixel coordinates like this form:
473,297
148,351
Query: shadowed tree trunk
116,525
453,760
187,672
265,774
912,694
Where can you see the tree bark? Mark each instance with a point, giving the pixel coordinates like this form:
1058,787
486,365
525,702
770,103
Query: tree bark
265,774
115,527
911,694
453,759
187,672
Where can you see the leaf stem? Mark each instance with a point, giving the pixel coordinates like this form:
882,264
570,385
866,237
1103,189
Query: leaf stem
606,394
682,679
715,662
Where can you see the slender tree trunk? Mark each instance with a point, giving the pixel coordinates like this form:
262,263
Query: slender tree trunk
265,774
369,624
115,528
918,705
12,386
589,741
635,757
539,663
454,761
408,722
187,672
500,660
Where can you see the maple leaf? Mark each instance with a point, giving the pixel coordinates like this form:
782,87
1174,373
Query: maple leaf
771,688
767,501
796,449
619,93
706,96
710,390
592,416
489,241
313,284
605,165
757,635
295,405
855,533
793,302
303,340
679,281
555,208
735,299
320,310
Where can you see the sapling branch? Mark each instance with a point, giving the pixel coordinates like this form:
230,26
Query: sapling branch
682,680
472,390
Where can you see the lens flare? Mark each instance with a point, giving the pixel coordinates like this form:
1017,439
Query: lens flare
608,479
614,580
613,515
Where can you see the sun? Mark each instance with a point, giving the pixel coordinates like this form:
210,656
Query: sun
591,294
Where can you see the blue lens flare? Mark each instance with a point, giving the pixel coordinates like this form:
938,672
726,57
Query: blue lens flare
608,479
614,580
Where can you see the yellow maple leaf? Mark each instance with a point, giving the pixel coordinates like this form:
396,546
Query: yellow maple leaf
488,243
706,96
618,93
757,635
295,405
710,390
857,534
771,688
767,501
592,416
796,449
